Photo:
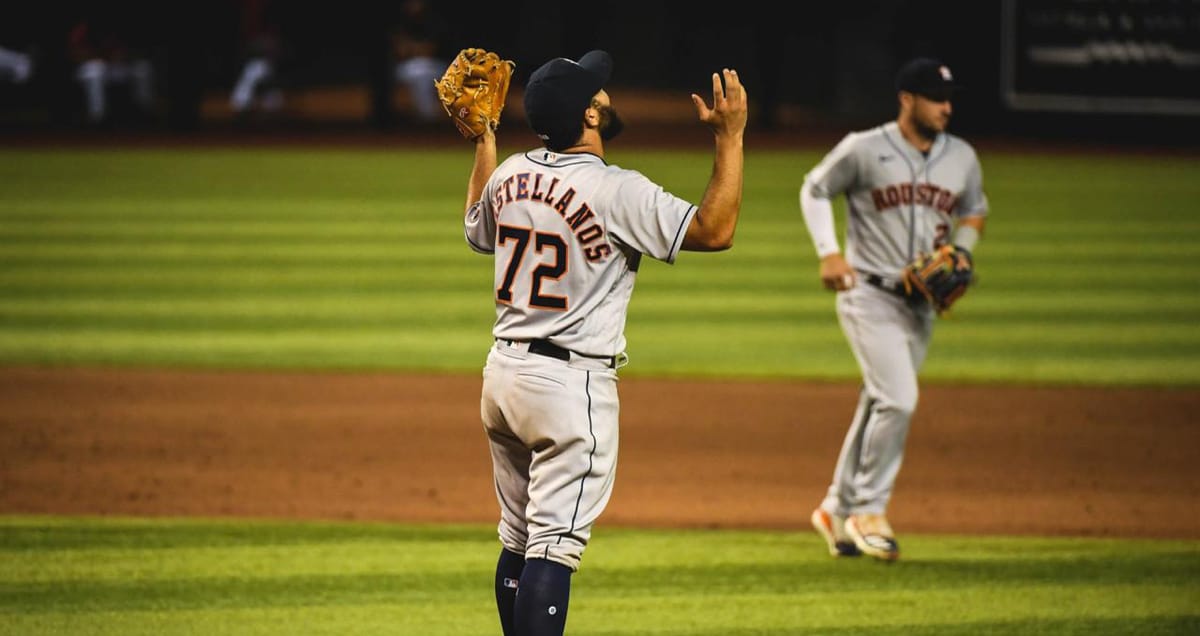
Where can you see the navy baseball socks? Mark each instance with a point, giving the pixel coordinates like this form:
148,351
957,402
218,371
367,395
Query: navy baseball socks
508,573
541,607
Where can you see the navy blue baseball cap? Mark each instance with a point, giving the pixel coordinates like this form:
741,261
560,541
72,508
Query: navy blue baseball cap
559,91
927,77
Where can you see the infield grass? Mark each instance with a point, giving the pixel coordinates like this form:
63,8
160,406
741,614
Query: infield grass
349,259
165,577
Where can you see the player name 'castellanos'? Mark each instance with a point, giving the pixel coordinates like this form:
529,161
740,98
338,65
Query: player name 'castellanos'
927,194
527,186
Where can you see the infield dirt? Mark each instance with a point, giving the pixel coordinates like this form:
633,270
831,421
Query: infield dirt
396,447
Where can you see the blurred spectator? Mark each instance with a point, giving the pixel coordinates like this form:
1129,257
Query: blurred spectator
104,58
419,41
257,88
15,66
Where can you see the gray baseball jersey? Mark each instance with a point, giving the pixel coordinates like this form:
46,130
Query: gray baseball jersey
899,202
570,231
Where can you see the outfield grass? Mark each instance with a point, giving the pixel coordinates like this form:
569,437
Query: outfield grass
129,577
354,259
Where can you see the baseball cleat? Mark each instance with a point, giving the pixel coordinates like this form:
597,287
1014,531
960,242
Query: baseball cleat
831,528
873,535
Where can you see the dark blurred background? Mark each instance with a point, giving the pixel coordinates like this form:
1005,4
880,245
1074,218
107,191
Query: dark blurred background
1110,71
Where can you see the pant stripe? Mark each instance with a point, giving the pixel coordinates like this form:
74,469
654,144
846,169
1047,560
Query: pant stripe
591,456
866,419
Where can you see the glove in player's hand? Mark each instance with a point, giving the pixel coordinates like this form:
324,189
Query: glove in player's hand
941,277
473,90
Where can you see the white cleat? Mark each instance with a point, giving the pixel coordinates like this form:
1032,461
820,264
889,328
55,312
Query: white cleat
873,535
832,529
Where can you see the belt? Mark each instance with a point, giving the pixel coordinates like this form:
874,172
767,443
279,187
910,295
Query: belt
551,350
885,284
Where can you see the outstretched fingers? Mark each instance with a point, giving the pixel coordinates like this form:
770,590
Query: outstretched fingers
728,109
702,109
734,92
718,97
718,89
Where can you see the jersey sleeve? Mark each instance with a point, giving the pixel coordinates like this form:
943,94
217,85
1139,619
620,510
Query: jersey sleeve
479,224
645,217
972,201
837,172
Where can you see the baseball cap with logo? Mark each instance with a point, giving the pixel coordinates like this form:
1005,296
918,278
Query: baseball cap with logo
559,91
928,78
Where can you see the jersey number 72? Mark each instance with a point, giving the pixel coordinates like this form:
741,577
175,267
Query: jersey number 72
553,270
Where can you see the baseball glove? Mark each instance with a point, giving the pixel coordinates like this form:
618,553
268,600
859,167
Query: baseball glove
941,277
473,90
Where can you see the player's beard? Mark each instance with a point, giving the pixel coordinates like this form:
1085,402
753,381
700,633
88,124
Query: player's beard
610,123
927,130
930,126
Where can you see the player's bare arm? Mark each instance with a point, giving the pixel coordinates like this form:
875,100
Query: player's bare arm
714,223
472,91
485,164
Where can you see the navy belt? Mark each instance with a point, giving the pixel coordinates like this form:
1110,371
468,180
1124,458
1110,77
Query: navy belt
882,283
551,350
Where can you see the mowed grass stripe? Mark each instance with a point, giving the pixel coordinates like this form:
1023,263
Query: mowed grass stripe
431,347
126,576
1052,229
819,346
388,299
223,174
197,210
255,286
260,560
330,311
25,533
216,232
268,587
28,263
374,252
1125,291
1048,253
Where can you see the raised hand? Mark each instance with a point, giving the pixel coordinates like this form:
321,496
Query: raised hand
727,116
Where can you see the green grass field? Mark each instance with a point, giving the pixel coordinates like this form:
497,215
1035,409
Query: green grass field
130,577
333,259
354,259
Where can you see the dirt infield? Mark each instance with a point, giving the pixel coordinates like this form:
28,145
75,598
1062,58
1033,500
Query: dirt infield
1014,460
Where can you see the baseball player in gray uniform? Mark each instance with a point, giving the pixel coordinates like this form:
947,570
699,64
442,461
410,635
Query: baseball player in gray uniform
909,187
568,232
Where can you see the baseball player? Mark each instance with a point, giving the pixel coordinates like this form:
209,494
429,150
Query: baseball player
909,187
568,232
